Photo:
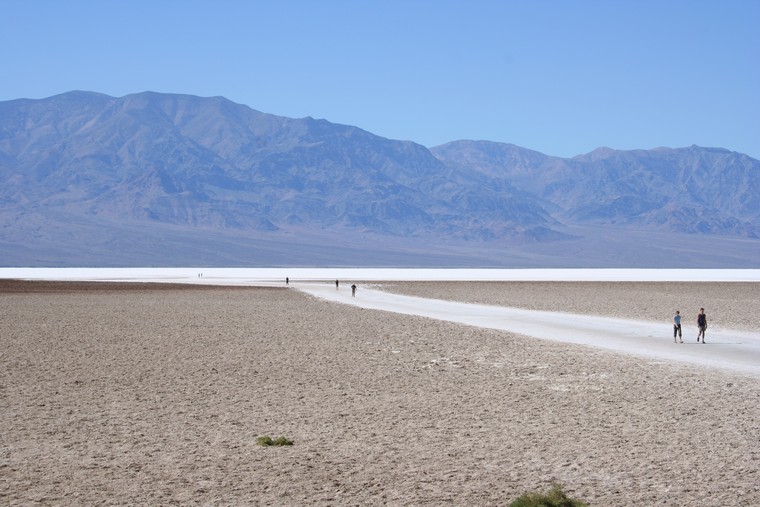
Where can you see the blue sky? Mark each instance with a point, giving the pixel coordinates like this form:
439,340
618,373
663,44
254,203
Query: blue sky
560,77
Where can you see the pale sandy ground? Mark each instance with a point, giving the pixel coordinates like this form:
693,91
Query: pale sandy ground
155,394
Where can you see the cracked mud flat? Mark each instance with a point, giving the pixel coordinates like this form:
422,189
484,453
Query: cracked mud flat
155,394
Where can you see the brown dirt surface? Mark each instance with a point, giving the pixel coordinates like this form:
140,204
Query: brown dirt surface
143,395
11,286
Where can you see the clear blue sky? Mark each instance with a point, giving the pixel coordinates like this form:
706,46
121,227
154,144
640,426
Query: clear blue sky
560,77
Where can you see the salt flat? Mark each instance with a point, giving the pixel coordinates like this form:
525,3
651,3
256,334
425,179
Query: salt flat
154,394
731,349
235,276
734,349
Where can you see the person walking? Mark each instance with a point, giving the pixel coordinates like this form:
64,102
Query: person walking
677,326
337,283
353,290
701,324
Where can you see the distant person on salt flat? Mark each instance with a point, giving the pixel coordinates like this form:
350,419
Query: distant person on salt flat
336,284
701,324
353,290
677,326
287,281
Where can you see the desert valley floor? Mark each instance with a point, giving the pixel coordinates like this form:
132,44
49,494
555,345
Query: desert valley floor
131,393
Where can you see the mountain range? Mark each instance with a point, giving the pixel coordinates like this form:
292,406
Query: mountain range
154,179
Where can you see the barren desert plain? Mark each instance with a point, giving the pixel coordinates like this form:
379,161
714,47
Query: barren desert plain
155,394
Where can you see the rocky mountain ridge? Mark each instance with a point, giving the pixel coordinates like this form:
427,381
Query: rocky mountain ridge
83,172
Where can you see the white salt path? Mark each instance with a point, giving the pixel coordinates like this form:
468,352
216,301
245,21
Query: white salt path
728,349
737,351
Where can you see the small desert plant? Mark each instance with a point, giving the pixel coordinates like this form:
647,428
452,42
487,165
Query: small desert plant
267,441
554,498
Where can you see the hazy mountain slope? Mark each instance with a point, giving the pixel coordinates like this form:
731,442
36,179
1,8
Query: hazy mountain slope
691,190
162,179
186,160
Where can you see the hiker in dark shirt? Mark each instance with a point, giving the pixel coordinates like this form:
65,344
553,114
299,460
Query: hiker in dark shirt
701,324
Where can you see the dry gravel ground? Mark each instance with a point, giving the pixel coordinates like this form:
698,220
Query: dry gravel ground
155,394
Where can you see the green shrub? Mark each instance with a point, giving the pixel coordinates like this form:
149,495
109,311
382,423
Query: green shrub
554,498
264,441
282,441
267,441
